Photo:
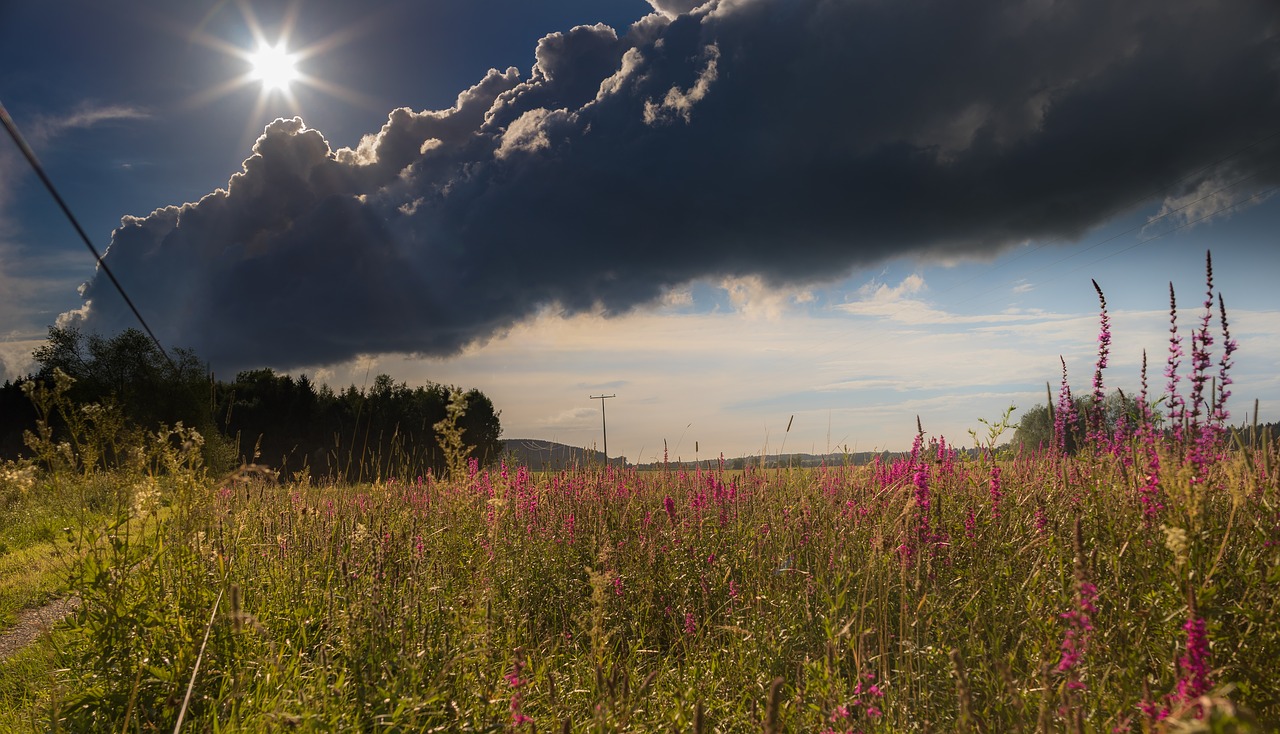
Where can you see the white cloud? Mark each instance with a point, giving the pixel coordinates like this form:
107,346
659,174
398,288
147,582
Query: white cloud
753,298
87,115
896,303
570,418
15,357
1213,198
678,297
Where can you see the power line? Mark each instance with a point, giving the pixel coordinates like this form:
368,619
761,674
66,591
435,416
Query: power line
603,424
1257,195
1148,223
1132,202
30,155
1118,235
1220,210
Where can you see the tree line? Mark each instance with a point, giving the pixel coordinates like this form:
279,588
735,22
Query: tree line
1119,410
289,424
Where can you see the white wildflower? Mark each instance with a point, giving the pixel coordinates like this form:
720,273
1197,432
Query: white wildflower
145,495
1175,539
19,477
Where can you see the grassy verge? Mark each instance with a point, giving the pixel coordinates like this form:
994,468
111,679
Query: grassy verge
27,680
884,598
37,549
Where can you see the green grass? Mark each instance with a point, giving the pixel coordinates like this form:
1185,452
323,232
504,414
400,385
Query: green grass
36,531
581,598
901,597
27,680
30,577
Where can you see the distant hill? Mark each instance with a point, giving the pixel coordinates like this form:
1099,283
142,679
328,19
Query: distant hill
796,460
541,455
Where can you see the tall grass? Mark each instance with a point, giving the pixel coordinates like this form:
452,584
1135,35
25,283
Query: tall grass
1131,586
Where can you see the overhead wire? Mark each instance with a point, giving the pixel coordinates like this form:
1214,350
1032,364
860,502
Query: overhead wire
1132,202
1259,195
29,154
1137,200
1147,224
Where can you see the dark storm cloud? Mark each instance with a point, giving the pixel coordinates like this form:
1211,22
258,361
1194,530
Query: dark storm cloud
793,139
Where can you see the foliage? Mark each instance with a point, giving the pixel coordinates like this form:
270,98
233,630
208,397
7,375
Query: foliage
632,600
1035,426
1129,586
288,423
355,435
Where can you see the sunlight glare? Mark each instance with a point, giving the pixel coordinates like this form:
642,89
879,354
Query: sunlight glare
274,67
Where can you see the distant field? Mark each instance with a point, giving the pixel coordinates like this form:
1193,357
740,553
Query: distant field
994,593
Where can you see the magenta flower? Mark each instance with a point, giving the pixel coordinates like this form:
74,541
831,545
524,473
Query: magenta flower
1075,641
1176,404
1096,424
1064,417
1229,346
1149,491
516,682
1194,665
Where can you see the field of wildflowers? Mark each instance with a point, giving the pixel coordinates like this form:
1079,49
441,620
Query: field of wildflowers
1130,586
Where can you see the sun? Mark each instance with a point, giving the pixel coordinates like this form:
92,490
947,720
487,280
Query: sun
274,67
271,60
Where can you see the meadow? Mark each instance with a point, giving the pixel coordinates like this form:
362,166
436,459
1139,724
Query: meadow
1122,578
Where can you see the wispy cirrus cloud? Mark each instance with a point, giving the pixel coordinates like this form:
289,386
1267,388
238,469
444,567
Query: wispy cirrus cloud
87,115
1224,194
902,304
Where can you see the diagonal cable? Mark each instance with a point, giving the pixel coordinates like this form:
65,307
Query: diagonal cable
30,155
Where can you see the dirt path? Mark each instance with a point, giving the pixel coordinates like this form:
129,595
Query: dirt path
34,622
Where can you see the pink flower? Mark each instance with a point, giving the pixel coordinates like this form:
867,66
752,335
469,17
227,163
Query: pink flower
1176,404
1097,427
1229,346
1062,417
1075,640
515,681
1195,663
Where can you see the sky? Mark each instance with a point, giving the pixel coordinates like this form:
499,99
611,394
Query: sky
735,216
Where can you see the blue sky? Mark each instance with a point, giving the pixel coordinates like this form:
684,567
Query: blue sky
853,213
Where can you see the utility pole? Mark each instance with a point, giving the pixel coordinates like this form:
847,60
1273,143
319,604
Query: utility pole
604,424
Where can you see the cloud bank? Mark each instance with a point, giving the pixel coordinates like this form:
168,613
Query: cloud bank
781,141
